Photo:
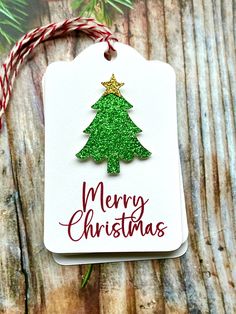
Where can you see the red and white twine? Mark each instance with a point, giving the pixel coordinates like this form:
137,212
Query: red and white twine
29,41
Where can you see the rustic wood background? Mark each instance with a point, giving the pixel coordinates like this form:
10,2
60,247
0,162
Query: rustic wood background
197,37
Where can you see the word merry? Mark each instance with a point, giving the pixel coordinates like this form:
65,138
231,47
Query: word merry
109,201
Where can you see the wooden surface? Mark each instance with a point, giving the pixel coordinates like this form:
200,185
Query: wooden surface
198,39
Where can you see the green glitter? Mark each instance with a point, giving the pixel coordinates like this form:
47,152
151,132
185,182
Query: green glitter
112,134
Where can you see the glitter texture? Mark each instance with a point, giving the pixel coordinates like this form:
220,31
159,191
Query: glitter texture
112,86
113,135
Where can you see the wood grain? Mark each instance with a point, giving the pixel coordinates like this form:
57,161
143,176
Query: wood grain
198,39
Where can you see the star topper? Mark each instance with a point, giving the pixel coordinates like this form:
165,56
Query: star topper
112,86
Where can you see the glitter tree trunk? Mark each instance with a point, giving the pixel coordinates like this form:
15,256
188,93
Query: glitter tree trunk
113,135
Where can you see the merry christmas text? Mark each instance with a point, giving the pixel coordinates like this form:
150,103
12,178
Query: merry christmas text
129,219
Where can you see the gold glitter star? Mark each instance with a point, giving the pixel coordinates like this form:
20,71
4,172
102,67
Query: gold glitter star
112,86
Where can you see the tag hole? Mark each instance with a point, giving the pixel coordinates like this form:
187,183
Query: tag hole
110,55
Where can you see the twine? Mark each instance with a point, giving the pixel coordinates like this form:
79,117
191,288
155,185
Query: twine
20,51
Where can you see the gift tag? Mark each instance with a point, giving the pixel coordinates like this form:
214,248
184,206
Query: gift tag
112,178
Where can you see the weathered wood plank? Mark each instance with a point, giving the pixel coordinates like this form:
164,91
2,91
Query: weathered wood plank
12,277
215,159
194,262
113,288
156,30
138,21
227,63
146,288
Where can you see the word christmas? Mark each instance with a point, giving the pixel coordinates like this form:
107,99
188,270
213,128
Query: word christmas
82,225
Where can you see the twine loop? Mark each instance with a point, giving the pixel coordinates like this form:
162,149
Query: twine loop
10,68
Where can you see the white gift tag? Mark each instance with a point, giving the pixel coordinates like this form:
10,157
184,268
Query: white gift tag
86,209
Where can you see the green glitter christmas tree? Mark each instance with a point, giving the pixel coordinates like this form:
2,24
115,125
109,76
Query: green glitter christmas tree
113,135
